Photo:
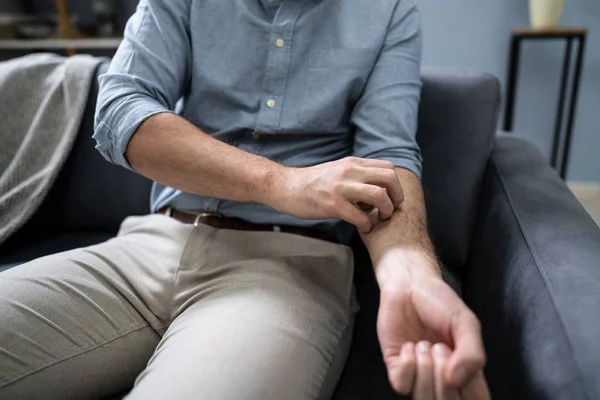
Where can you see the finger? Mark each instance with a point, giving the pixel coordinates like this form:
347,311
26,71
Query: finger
468,356
370,162
476,388
365,207
441,353
424,389
351,214
403,374
387,178
370,194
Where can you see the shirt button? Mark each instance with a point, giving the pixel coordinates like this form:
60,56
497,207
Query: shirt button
255,135
279,42
271,1
270,103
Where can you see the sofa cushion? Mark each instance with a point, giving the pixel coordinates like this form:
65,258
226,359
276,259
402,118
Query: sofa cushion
457,124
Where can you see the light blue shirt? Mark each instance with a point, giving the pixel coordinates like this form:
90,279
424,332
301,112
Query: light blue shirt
301,82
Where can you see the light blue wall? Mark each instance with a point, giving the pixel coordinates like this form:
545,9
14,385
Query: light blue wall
475,34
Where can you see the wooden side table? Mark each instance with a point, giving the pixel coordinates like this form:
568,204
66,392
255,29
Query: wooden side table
569,35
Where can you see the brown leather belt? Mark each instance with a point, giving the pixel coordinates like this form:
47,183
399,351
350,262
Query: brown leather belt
222,222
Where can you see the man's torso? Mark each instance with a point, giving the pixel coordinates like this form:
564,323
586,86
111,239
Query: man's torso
275,78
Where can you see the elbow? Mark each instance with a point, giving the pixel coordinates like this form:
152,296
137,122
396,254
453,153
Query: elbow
109,140
117,118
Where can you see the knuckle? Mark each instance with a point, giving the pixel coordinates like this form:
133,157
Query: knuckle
348,170
336,186
390,174
378,193
331,205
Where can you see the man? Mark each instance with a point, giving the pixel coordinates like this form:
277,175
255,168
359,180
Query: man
298,121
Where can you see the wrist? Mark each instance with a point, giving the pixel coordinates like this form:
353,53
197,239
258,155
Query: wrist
271,186
400,265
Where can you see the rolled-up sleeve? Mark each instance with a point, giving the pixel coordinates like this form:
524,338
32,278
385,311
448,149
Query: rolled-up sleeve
386,115
147,76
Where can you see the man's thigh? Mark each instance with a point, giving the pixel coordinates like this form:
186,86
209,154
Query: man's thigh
78,324
264,316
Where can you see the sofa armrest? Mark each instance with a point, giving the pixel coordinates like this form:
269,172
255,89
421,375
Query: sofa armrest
533,279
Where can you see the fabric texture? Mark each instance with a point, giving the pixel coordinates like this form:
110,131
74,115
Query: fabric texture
42,100
533,279
193,312
457,125
300,82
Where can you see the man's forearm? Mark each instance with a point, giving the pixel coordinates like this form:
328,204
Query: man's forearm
405,232
170,150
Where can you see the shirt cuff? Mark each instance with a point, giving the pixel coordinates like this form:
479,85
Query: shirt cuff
410,162
112,144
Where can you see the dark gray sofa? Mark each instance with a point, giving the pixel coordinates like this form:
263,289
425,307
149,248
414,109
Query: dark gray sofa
515,242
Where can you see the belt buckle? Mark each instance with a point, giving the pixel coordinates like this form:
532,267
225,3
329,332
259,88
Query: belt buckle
205,214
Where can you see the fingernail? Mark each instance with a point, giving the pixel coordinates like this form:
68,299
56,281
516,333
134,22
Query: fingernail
409,348
424,347
441,350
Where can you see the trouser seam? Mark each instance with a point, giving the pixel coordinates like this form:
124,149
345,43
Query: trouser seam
335,350
87,350
175,279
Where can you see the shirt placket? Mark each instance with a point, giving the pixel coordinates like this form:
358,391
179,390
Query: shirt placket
276,73
278,65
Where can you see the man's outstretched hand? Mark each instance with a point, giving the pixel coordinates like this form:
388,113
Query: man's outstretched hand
431,341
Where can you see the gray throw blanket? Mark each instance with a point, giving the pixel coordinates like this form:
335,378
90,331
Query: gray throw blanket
42,101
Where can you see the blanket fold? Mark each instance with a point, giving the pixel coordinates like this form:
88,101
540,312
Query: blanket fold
42,102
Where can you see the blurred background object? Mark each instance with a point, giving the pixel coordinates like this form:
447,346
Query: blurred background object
106,18
62,26
10,7
545,13
10,12
66,28
570,78
477,34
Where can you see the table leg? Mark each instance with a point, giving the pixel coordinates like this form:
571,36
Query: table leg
573,106
560,107
513,74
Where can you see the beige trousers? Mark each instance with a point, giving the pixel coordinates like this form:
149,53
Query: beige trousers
192,312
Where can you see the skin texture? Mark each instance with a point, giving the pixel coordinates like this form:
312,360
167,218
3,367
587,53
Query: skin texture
430,340
171,151
418,309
